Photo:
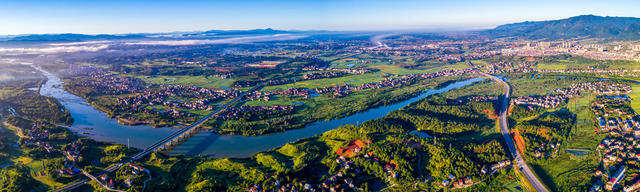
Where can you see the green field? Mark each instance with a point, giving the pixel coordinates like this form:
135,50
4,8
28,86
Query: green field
10,153
577,62
355,80
155,62
524,85
568,170
200,81
394,69
583,136
551,66
398,70
275,100
635,97
514,187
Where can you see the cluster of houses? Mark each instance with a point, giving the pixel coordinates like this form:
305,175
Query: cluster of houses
616,151
68,171
323,75
171,96
357,146
194,98
508,67
613,180
37,136
561,95
279,81
391,81
265,64
110,84
609,72
169,112
611,147
457,182
478,99
301,92
130,170
633,187
495,167
600,88
546,147
248,112
454,182
340,181
613,119
449,53
345,70
620,125
546,101
167,93
354,147
73,152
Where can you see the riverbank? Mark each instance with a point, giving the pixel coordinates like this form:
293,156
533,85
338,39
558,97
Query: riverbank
103,128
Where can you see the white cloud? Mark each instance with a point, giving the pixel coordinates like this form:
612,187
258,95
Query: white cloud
80,43
235,40
48,50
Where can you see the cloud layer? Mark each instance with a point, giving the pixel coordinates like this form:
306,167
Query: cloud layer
235,40
49,50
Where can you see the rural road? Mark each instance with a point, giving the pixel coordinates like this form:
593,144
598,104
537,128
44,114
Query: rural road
504,127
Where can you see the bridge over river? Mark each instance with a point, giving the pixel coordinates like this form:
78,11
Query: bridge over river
165,143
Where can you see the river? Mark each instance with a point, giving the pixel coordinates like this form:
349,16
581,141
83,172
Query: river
89,121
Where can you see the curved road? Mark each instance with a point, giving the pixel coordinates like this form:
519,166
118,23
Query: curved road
504,127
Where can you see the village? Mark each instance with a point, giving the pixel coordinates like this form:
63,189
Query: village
559,96
390,81
256,112
172,96
132,173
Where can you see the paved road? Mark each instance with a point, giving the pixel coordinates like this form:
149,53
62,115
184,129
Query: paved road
504,127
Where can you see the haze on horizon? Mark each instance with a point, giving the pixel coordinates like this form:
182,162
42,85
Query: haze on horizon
147,16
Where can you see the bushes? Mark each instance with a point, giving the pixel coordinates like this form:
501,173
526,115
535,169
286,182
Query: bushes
114,153
438,115
16,178
33,106
548,128
273,162
224,174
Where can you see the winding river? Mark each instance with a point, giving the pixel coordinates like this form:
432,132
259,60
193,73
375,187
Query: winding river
89,121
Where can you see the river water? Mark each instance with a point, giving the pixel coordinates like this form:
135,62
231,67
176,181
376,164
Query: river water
89,121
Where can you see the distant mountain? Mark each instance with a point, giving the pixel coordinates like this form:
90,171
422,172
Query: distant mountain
618,28
267,31
69,37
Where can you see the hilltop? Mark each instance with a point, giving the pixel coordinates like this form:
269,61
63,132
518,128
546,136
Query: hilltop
591,26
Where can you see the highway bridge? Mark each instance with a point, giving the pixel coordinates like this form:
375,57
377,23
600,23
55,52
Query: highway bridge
166,142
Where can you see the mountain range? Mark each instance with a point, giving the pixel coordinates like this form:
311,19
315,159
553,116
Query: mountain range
584,26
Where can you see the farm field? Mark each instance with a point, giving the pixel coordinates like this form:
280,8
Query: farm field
635,97
200,81
355,80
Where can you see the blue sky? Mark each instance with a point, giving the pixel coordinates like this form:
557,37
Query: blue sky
133,16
